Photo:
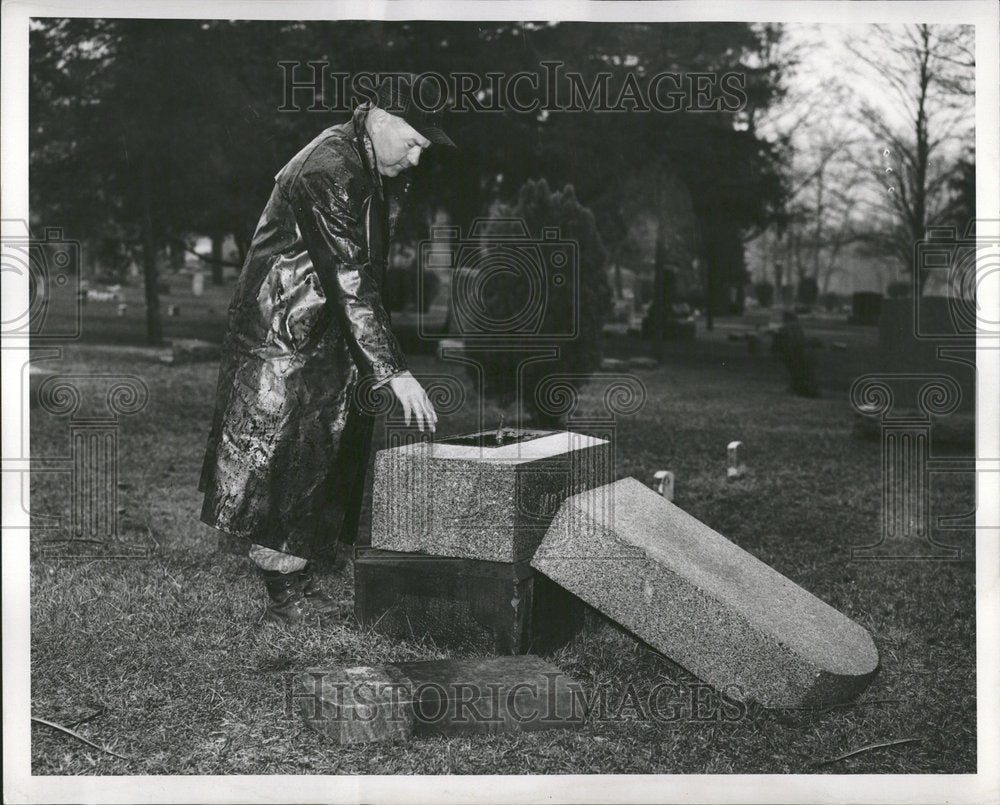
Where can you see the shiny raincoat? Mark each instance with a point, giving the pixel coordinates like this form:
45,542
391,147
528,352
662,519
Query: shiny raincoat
308,336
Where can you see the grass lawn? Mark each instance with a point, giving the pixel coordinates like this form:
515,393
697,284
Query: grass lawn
190,682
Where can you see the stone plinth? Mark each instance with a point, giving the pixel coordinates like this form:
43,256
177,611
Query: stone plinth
491,607
439,697
705,603
467,497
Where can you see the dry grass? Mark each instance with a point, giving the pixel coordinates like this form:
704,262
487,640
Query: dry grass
173,647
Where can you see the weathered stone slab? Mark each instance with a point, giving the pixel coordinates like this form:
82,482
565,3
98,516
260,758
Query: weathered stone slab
710,606
356,705
470,604
439,697
471,498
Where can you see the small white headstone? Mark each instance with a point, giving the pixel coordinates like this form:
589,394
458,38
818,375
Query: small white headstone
122,309
737,461
197,284
663,483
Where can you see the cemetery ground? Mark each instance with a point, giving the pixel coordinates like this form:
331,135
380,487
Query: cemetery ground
164,661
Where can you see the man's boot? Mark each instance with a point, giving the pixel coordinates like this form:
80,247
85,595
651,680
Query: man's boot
318,601
288,605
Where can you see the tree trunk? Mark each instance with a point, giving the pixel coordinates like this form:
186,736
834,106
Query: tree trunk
154,325
658,321
217,239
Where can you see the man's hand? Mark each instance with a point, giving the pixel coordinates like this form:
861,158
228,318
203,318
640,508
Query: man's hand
413,398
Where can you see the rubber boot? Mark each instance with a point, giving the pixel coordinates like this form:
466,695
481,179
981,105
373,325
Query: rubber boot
288,605
318,601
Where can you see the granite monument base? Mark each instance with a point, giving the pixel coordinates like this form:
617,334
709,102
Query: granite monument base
490,607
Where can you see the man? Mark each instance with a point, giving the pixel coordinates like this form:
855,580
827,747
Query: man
308,340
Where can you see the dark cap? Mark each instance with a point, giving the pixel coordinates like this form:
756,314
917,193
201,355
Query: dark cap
417,100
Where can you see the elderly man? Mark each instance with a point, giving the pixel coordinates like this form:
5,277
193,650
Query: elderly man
308,339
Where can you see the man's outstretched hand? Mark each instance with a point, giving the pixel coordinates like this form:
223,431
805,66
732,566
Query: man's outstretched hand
413,398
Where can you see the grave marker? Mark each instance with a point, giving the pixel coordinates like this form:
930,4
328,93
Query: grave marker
663,483
705,603
491,607
439,697
478,496
736,454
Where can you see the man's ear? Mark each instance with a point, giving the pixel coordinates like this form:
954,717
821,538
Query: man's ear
379,118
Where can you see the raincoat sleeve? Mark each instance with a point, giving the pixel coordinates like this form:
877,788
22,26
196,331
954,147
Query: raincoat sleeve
332,227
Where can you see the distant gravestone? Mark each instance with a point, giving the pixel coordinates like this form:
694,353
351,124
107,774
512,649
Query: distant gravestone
449,348
478,496
643,362
439,697
705,603
663,484
866,306
928,336
190,350
736,466
790,345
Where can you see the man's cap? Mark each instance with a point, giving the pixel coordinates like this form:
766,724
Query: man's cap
417,100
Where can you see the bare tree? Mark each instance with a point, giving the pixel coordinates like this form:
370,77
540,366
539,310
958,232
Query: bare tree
927,73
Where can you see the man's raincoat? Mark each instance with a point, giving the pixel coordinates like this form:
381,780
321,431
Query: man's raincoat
308,339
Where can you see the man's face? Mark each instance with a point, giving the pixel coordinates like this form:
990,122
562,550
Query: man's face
397,145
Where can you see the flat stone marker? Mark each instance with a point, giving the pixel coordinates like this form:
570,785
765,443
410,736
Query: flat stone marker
472,498
356,705
705,603
736,453
439,697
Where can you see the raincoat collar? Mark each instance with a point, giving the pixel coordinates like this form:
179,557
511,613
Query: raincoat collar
395,188
365,146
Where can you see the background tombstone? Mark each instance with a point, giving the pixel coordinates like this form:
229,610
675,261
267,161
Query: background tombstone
736,461
663,484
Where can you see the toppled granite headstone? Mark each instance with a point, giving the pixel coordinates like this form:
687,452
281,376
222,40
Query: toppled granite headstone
439,697
705,603
472,497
